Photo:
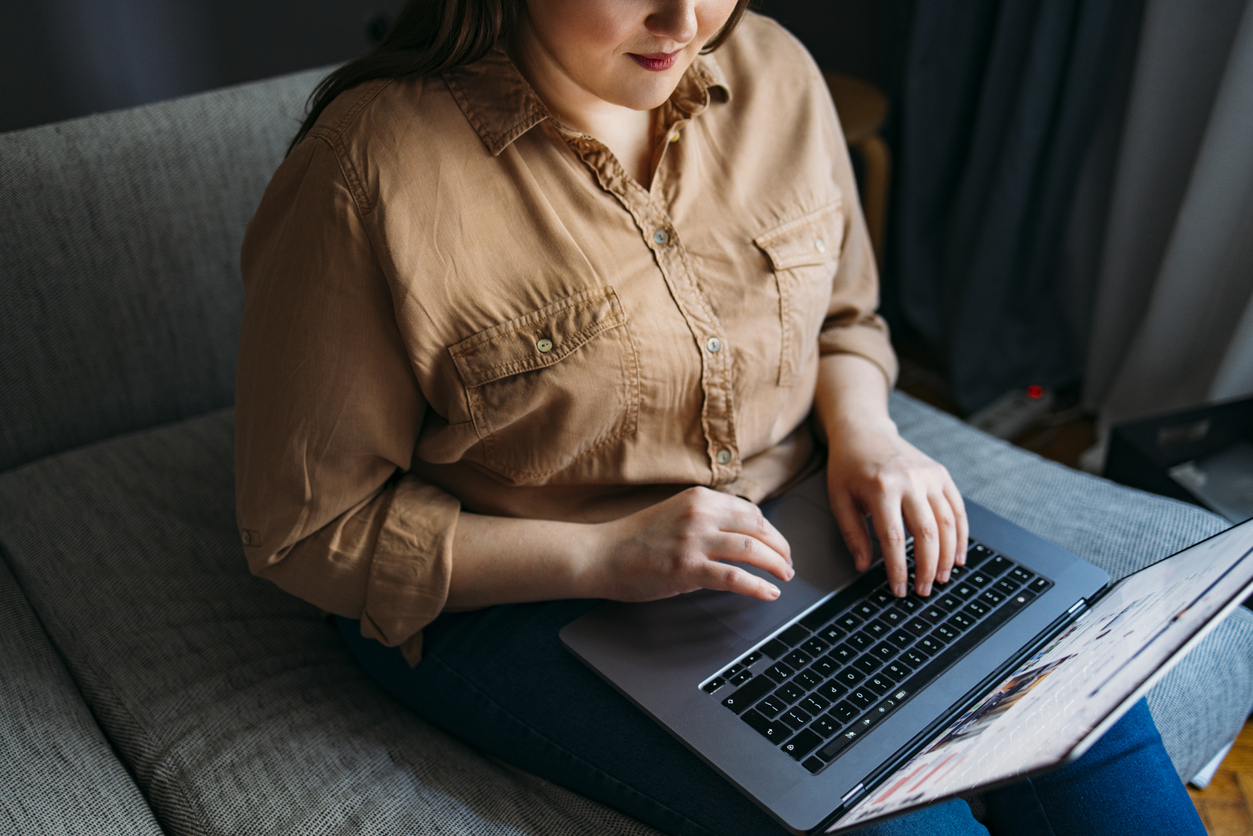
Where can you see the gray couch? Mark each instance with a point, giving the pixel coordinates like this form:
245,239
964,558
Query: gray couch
148,683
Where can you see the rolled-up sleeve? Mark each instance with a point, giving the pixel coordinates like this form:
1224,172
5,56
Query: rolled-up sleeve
851,325
327,416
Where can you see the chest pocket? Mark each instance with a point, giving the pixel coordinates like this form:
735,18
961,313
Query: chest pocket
551,386
804,254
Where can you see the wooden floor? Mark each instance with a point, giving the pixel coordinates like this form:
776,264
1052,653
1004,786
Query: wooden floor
1225,804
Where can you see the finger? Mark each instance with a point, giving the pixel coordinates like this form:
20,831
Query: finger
947,526
746,518
724,578
885,512
852,523
744,548
921,522
958,505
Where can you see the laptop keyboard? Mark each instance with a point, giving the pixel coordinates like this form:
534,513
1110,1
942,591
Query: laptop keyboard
828,678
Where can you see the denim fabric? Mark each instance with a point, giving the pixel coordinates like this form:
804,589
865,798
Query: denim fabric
500,680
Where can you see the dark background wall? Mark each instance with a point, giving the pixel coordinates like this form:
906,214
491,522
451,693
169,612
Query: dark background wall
65,58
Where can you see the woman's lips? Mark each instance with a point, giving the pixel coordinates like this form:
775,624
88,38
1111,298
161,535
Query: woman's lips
658,61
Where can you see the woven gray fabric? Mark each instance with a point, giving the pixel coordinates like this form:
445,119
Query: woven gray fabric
235,705
1199,706
58,774
121,240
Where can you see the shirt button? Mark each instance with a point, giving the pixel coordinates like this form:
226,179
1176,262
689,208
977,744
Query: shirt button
724,457
714,345
674,137
821,245
544,346
661,237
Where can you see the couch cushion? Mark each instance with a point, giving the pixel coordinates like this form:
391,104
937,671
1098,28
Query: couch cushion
121,297
59,775
235,705
1201,704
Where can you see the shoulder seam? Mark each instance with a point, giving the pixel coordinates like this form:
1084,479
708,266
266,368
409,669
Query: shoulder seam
333,136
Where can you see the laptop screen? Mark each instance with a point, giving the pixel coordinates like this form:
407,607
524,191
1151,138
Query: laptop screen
1047,709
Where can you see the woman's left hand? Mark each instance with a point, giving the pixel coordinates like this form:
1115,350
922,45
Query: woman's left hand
872,471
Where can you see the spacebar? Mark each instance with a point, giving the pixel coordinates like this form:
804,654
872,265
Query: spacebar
925,676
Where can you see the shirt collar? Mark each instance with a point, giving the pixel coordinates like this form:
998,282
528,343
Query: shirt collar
501,106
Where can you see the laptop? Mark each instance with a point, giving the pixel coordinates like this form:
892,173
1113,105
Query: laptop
838,705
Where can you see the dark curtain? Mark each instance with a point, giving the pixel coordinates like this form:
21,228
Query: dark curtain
997,105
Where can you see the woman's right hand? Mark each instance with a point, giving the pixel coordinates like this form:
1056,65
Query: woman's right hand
690,541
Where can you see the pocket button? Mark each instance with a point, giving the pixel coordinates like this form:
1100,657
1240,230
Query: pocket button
544,346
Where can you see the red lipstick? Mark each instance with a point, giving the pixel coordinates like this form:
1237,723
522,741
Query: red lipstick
658,61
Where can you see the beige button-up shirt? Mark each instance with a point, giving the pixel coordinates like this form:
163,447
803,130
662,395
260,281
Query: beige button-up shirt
454,302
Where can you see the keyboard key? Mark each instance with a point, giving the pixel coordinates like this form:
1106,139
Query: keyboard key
882,596
991,597
883,651
899,669
977,609
775,730
826,725
915,656
862,698
793,635
814,764
957,573
774,648
848,621
1021,575
808,679
876,629
997,565
844,712
1039,585
843,654
801,745
824,667
790,692
779,672
849,677
831,633
713,685
865,610
839,744
909,605
860,640
815,703
1007,586
815,647
732,671
751,659
929,645
949,603
934,614
741,677
748,694
831,690
960,622
772,706
797,717
893,617
868,664
965,591
944,633
919,627
978,579
977,554
798,659
902,639
1020,599
880,683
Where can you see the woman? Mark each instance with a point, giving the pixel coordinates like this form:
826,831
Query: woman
539,305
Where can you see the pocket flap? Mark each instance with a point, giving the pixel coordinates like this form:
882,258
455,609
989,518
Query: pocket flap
537,340
810,239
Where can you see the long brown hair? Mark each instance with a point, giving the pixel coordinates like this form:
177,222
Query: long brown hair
430,36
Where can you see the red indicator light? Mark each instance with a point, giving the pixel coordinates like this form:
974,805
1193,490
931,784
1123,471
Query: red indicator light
1035,392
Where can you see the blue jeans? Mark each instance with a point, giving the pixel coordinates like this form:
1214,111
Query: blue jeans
500,680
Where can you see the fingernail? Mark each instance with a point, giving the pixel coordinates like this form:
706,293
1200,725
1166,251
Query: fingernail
924,590
900,590
774,592
960,560
942,577
791,573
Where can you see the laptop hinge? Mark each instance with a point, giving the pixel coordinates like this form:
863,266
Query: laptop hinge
852,793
